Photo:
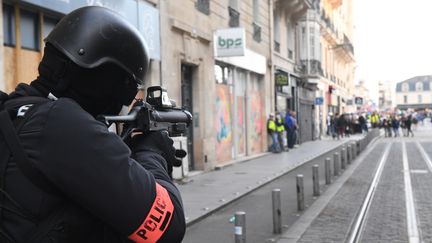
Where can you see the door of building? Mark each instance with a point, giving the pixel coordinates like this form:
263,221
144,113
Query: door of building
186,93
305,121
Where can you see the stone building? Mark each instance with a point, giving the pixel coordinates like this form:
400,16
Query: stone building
338,63
414,93
192,55
296,61
228,93
386,93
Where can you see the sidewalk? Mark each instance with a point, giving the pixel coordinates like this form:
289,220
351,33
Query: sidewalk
207,192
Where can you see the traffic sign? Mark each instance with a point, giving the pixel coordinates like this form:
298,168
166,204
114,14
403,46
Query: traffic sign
319,100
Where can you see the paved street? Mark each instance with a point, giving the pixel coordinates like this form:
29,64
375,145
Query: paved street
399,207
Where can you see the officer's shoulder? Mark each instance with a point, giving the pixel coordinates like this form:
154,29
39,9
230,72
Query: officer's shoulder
69,110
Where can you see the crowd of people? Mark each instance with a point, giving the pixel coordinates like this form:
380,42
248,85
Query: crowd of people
342,125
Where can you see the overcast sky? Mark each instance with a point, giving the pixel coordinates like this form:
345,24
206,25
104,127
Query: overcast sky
393,39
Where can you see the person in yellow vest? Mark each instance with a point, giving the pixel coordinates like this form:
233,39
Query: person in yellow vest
271,130
375,120
280,128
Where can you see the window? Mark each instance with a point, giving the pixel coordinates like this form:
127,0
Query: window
312,42
255,25
419,86
234,17
8,25
221,74
405,99
276,31
29,30
419,99
290,39
203,6
48,25
405,87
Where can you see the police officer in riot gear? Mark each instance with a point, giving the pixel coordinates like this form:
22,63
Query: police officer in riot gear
63,176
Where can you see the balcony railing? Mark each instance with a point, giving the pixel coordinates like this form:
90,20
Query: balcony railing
347,44
311,68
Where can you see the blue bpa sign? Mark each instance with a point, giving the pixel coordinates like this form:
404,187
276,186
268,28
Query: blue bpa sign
229,42
319,100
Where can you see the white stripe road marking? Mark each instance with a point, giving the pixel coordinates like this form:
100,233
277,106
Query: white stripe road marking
413,232
424,155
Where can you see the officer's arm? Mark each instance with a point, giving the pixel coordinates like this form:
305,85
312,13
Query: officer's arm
94,168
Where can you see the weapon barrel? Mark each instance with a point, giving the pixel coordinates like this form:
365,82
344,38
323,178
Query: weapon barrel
172,116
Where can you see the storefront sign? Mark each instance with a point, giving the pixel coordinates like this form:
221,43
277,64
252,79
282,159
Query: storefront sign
359,101
319,100
229,42
139,13
281,78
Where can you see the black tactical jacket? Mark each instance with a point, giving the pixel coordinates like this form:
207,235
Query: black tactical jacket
105,191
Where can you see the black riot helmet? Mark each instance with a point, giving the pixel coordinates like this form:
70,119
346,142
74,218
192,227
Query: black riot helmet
93,36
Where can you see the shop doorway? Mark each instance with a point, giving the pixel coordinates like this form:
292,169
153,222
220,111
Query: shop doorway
187,101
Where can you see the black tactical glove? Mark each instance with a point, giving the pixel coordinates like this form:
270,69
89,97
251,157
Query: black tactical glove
161,143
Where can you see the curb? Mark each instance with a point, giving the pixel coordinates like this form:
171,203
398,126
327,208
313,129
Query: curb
264,182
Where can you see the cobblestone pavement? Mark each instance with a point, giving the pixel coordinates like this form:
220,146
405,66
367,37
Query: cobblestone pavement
333,223
399,211
422,184
386,220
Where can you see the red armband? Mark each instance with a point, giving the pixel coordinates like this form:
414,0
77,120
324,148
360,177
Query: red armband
157,219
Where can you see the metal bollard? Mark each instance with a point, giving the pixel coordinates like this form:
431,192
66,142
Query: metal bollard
240,227
336,163
359,147
315,179
327,170
277,216
343,158
300,193
353,147
349,154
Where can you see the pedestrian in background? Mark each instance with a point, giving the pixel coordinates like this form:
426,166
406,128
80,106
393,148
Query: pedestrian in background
294,128
363,125
408,124
271,130
280,129
288,122
340,126
395,125
386,124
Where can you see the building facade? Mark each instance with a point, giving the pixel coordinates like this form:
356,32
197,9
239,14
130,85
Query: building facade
336,87
230,63
414,93
228,93
386,93
296,61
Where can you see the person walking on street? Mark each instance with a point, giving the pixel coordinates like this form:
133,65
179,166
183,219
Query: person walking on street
271,130
395,125
65,177
294,128
386,124
289,127
408,124
340,125
362,123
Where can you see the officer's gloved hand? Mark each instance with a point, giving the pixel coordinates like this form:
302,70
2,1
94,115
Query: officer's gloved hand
161,143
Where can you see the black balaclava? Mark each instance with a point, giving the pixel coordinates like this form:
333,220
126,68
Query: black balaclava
101,90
